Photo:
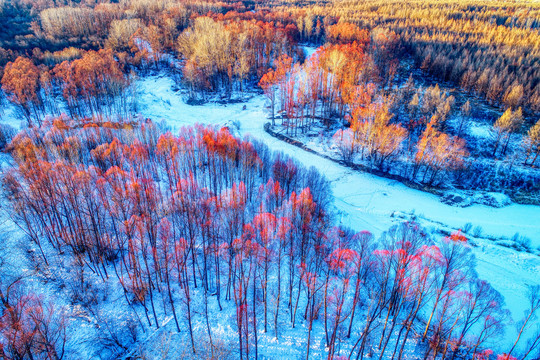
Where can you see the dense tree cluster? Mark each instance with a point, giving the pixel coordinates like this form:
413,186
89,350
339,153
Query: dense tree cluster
416,133
73,24
182,221
337,82
488,48
21,81
93,85
225,56
319,89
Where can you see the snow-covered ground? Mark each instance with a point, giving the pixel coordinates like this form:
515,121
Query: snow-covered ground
367,202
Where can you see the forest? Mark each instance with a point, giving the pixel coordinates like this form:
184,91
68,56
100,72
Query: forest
186,220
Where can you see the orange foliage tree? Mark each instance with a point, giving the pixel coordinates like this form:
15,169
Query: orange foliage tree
344,33
21,81
94,85
437,152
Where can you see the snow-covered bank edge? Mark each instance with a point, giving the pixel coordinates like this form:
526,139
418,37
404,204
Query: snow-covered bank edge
517,243
355,166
